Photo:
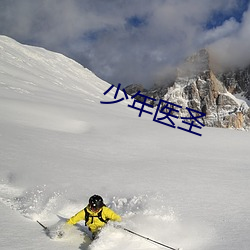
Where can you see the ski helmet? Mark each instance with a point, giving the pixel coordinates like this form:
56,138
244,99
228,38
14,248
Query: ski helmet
95,202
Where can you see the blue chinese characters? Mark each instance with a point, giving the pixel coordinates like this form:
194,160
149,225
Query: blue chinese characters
165,111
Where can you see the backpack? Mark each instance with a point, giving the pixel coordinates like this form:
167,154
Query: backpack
88,216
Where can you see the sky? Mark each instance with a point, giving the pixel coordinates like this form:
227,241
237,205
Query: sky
132,41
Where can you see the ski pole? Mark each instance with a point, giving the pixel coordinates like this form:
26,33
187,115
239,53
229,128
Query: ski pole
146,238
45,228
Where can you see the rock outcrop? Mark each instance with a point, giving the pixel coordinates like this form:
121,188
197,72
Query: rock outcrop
198,87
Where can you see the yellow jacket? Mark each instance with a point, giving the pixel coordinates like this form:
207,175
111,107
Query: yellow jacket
94,223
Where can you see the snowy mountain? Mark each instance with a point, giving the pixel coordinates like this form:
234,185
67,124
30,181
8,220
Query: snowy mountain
237,81
60,145
221,96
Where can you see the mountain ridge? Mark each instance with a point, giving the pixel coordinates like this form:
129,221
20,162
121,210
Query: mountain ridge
200,87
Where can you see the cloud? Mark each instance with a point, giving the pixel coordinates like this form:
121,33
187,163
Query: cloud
233,49
228,28
124,41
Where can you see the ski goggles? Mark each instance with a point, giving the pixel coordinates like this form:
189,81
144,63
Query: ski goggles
94,208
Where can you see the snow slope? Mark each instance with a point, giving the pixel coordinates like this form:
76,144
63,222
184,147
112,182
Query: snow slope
59,146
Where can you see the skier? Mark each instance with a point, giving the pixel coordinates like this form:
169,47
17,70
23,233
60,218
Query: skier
95,214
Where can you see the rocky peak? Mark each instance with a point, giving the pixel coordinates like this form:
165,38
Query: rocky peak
198,87
237,81
134,88
197,64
